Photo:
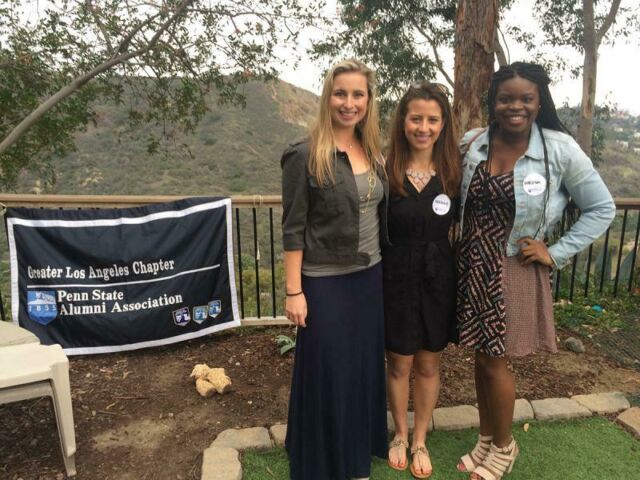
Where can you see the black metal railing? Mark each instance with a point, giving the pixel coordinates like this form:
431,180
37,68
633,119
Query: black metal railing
614,268
259,281
258,250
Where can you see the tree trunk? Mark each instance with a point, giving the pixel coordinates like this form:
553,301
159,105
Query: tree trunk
589,75
476,25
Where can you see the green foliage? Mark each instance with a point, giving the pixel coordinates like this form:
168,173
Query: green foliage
404,40
581,317
27,75
570,116
563,25
396,37
285,343
597,313
568,23
158,60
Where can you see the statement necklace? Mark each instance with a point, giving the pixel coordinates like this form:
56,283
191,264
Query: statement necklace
420,178
371,186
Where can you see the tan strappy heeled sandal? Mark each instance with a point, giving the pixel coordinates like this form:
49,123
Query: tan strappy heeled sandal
395,443
498,462
474,458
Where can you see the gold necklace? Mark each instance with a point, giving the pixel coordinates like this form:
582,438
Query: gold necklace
371,186
349,144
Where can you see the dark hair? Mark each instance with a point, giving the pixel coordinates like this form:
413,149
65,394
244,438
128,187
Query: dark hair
446,156
547,115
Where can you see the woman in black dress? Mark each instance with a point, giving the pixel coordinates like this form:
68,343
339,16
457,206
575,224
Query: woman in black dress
423,167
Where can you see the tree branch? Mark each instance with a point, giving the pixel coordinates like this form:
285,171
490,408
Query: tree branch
96,18
500,54
181,56
127,40
78,82
431,41
608,21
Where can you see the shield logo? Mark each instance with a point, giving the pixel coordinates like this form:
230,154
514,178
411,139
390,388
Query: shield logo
182,316
215,307
41,306
200,314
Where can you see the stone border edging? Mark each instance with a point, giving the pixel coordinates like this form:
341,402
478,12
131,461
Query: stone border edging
221,461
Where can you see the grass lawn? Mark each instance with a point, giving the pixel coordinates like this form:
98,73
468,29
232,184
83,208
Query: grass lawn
592,448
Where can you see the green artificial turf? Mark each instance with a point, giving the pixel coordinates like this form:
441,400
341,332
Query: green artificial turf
585,449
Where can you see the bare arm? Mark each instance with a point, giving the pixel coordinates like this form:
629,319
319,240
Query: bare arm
295,205
295,305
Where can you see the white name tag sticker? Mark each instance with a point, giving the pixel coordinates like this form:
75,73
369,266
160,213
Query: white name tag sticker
534,184
441,204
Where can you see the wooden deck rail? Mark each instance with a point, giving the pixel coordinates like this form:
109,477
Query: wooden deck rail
122,201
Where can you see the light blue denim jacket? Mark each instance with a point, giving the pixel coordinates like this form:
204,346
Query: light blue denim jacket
571,174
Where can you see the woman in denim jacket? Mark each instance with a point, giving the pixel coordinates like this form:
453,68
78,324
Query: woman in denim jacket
334,194
518,175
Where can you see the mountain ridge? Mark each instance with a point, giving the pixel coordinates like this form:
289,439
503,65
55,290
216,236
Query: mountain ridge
237,150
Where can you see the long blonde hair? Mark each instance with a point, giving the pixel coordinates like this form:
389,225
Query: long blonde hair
323,143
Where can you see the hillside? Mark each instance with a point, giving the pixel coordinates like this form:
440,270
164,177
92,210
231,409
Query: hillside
620,162
237,151
621,171
621,165
232,151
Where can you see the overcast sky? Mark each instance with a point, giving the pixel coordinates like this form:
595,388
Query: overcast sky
618,67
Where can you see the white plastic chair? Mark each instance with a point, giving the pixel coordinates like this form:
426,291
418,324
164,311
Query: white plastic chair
34,370
12,334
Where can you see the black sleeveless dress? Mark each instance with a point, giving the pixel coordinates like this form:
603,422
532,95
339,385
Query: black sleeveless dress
419,271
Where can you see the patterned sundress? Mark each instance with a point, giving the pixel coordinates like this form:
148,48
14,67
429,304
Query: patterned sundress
489,213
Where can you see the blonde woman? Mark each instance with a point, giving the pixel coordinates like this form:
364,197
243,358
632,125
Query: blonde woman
334,194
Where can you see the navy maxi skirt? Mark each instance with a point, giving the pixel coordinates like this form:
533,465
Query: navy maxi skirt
337,408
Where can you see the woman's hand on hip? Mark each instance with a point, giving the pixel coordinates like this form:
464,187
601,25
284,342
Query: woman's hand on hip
534,251
295,308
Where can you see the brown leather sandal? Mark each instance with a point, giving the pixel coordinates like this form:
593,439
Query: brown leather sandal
416,451
395,443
